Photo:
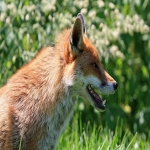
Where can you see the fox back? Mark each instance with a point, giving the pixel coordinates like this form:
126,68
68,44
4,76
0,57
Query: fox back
37,102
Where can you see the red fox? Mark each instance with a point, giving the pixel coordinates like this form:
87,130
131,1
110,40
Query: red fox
37,102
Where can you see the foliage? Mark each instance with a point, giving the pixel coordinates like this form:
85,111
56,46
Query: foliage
84,136
120,31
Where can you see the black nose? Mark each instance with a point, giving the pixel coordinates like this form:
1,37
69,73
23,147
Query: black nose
115,85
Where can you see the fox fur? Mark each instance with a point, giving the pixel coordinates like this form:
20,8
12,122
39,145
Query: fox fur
37,102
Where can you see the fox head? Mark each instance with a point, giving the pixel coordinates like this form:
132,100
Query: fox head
83,60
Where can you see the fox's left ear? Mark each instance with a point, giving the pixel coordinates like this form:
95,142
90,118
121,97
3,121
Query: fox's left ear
83,23
75,46
76,36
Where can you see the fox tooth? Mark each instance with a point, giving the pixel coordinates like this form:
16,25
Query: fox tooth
104,102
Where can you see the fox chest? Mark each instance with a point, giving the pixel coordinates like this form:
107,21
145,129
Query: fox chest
56,124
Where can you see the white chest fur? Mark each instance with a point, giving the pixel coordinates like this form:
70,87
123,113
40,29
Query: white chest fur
56,123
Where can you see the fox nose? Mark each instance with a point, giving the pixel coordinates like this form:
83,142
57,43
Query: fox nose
115,85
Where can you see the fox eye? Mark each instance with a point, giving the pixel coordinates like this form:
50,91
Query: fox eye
95,66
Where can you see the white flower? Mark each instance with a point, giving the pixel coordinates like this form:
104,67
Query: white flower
128,19
135,18
107,42
120,54
145,29
44,1
81,4
27,17
11,6
100,3
119,16
49,7
92,14
101,25
118,23
106,12
31,8
113,49
136,145
83,11
115,33
36,26
111,5
2,16
116,11
8,20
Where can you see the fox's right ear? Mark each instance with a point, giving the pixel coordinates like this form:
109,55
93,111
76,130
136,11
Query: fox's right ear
76,36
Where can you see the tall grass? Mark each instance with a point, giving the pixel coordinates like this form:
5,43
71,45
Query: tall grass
20,144
86,136
119,29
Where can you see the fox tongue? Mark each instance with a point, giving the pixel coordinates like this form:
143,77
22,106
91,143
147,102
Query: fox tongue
99,103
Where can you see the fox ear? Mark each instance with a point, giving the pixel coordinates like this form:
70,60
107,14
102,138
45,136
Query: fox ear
76,37
75,40
83,23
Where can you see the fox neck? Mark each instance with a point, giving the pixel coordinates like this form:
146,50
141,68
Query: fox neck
57,122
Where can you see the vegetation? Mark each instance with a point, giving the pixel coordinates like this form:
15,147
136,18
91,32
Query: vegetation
86,136
120,31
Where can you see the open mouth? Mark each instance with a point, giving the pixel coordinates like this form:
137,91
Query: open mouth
99,103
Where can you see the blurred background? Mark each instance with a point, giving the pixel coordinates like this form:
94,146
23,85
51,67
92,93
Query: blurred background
118,28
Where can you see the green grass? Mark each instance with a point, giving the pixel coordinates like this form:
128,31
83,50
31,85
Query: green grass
20,144
84,136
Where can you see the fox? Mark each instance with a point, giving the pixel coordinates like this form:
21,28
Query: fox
37,101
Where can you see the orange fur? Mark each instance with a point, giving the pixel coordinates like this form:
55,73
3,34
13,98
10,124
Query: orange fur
38,100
